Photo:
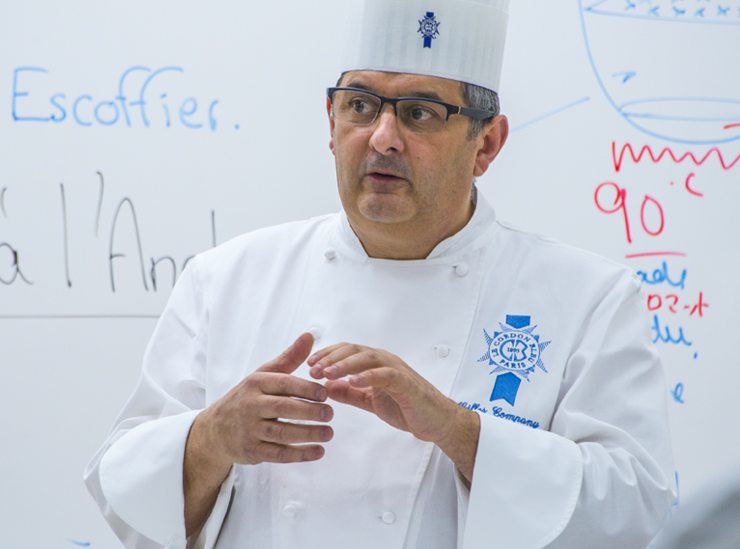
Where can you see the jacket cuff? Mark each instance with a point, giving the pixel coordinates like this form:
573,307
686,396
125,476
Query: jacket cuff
463,503
141,478
208,535
525,485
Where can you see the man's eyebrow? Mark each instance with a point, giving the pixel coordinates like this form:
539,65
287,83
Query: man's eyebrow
358,86
425,95
419,94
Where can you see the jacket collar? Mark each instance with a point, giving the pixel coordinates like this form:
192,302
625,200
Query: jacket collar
483,218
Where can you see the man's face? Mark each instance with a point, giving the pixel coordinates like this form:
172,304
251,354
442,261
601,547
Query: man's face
391,178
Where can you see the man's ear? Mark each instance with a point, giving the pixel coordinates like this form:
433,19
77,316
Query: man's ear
331,124
493,141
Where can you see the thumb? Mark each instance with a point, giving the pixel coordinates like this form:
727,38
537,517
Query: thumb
292,357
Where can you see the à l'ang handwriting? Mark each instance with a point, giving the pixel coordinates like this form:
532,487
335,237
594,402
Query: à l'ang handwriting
12,270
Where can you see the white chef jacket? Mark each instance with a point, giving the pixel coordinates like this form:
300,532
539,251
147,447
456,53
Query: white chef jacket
549,344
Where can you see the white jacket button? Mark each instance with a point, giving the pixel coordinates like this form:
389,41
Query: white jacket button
443,350
330,254
290,511
389,518
315,332
462,269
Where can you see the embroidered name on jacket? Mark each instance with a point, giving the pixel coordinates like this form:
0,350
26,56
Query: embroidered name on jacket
515,351
499,412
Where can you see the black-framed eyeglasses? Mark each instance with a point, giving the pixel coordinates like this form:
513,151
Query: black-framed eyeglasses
419,115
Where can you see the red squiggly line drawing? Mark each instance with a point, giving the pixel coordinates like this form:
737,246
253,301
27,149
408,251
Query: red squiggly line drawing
728,126
646,149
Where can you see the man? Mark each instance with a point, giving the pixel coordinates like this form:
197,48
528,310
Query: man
490,387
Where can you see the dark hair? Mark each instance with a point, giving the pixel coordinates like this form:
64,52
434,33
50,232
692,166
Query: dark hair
475,97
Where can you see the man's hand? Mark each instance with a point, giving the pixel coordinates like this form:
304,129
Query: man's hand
244,427
385,385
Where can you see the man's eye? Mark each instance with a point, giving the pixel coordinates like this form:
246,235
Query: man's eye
421,114
358,106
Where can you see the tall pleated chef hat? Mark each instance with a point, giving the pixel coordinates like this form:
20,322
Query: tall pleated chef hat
456,39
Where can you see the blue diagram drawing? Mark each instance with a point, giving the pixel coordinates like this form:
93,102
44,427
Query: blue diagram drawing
669,67
546,115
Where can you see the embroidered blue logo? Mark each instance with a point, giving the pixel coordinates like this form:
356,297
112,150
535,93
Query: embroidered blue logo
429,28
515,351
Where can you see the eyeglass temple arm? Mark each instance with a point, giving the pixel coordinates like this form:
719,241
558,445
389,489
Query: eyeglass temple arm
477,114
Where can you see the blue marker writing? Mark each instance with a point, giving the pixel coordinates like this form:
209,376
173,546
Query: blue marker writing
189,111
667,337
74,110
121,97
87,110
661,275
142,102
17,94
677,393
54,117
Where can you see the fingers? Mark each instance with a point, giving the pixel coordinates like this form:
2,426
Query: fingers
330,361
343,392
278,453
276,407
292,357
287,385
318,355
282,432
351,359
392,381
385,378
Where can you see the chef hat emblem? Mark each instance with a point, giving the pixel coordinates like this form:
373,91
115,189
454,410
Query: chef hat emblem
456,39
429,27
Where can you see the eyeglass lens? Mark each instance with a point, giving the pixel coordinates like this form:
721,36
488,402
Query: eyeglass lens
361,109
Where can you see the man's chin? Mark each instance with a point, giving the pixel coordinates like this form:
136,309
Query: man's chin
386,208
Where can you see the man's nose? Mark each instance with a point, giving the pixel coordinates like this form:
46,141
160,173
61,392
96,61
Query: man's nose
386,137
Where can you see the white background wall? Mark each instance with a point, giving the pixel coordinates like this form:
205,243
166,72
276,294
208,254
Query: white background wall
70,346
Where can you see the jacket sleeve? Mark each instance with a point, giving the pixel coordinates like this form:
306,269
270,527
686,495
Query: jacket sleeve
136,476
603,475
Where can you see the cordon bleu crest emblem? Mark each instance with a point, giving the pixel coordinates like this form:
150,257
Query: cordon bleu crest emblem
515,352
429,28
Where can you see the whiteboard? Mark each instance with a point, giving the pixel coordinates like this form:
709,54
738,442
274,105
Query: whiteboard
135,136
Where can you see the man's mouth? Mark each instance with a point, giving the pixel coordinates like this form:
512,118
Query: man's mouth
386,173
383,176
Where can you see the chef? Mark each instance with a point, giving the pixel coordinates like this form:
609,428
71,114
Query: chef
411,372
